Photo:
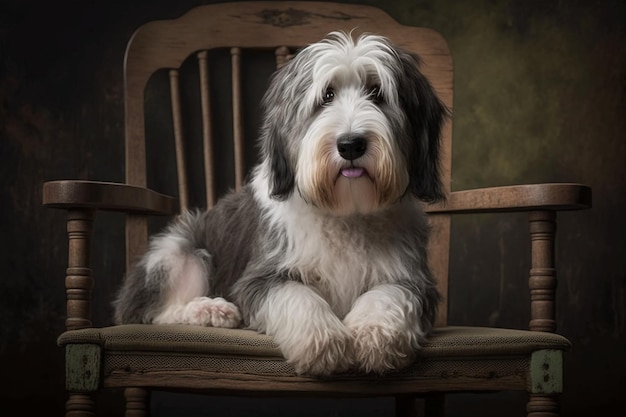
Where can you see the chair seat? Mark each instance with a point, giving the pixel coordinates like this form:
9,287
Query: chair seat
179,356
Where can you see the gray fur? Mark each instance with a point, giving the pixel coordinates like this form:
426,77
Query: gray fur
223,238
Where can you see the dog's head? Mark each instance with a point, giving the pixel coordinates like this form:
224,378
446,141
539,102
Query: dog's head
352,126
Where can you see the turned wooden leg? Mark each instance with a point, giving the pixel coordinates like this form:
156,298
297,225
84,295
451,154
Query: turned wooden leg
543,405
78,279
137,402
542,285
78,283
542,280
79,405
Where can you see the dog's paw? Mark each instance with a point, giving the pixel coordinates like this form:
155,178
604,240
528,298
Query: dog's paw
311,337
320,352
385,329
215,312
378,350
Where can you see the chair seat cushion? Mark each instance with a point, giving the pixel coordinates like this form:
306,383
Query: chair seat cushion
452,341
235,360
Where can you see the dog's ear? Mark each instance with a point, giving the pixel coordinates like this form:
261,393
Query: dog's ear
273,141
425,118
282,178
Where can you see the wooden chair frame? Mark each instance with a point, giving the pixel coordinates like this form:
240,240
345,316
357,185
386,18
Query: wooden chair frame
286,26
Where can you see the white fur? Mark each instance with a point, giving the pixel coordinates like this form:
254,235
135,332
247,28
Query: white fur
201,311
341,267
383,314
310,335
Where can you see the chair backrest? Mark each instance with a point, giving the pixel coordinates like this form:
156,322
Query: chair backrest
241,30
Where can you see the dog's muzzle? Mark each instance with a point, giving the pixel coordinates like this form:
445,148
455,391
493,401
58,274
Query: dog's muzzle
351,146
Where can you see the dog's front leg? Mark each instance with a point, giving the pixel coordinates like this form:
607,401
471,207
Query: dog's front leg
385,324
310,335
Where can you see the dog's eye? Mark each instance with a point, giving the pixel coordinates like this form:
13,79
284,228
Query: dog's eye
375,94
329,96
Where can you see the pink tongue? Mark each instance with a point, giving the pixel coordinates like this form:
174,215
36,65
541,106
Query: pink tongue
352,172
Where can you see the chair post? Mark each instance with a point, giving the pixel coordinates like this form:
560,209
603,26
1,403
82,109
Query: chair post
542,280
137,402
79,405
78,285
543,405
78,279
542,284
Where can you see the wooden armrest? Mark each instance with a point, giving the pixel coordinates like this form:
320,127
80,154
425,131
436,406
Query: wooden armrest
109,196
554,196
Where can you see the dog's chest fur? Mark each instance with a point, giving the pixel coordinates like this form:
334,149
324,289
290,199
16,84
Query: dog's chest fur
344,257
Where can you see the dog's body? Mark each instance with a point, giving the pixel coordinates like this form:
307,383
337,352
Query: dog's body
325,247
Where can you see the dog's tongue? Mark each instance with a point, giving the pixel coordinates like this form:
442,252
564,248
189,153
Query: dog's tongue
352,172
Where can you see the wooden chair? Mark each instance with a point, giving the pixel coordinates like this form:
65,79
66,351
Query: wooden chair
240,362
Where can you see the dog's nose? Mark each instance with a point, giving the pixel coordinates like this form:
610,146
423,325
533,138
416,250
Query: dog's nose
351,147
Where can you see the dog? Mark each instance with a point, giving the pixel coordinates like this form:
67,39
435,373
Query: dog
324,248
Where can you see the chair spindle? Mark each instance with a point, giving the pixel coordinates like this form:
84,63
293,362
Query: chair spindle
207,133
179,140
237,117
283,55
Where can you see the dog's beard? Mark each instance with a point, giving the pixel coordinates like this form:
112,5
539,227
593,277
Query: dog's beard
355,195
372,184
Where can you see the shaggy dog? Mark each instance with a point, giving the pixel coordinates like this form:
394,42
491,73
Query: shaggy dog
324,249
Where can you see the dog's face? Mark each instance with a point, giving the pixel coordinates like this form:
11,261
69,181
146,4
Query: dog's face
352,126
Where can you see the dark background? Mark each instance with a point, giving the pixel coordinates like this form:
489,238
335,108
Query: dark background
539,96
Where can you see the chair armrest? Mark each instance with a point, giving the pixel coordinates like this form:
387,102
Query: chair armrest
541,201
81,198
70,194
549,196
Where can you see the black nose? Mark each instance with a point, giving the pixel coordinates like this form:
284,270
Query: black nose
351,147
